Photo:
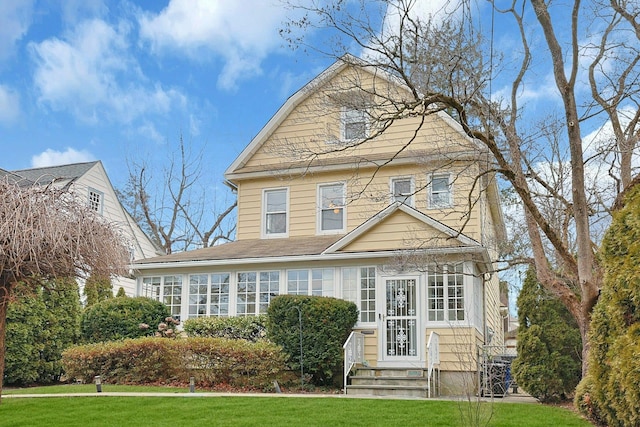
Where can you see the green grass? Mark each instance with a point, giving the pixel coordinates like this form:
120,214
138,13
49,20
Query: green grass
267,411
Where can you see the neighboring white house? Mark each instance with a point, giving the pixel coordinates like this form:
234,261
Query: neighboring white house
91,181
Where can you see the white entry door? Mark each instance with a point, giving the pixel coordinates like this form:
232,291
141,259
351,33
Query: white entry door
400,328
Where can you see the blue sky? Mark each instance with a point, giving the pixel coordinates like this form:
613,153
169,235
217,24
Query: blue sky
120,80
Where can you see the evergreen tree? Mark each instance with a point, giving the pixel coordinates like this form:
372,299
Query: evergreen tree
41,324
610,394
97,289
549,361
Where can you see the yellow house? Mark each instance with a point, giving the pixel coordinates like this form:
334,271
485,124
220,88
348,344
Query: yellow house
343,194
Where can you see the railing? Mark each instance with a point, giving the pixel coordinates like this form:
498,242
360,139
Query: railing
433,356
353,353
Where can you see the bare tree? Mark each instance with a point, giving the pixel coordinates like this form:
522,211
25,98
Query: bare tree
176,211
48,233
447,59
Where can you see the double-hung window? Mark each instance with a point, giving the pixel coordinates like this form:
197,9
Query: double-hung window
440,191
275,212
445,293
354,124
331,203
402,190
167,289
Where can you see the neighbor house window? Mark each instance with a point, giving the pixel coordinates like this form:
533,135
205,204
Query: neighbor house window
321,280
359,287
151,287
402,190
275,212
445,293
354,124
331,203
440,191
96,200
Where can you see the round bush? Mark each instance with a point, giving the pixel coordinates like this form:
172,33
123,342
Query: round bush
326,324
119,318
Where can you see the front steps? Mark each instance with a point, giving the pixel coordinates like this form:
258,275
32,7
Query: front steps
391,382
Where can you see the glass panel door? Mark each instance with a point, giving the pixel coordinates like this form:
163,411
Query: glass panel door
401,321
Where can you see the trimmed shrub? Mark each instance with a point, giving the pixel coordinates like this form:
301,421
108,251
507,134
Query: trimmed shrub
250,328
120,318
548,365
326,324
213,362
41,323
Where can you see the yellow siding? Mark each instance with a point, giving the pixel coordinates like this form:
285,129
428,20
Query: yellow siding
366,195
458,348
313,128
400,231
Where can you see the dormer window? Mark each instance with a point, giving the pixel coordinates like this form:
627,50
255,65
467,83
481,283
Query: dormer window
96,199
354,124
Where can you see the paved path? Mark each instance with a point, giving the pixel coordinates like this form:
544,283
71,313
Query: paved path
511,398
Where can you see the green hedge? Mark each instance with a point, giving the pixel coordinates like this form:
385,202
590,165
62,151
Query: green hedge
250,328
326,324
213,362
120,318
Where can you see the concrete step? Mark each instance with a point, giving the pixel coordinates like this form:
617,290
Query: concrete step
390,382
388,391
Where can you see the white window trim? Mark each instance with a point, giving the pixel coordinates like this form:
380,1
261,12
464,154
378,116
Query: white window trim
392,180
343,121
101,202
319,229
263,226
467,297
430,204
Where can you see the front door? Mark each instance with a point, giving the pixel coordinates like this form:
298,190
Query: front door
400,329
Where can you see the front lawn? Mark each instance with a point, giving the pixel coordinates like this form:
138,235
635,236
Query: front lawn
267,411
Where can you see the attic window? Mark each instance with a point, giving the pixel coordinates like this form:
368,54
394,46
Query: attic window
354,124
96,199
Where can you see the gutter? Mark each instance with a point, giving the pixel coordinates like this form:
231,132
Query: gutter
297,258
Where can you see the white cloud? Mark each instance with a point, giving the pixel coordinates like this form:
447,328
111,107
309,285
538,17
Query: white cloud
9,104
15,19
85,73
241,32
51,157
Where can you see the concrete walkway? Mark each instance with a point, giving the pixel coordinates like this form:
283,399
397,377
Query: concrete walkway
510,398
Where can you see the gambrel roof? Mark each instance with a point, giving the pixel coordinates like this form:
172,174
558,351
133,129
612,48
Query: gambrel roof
238,166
